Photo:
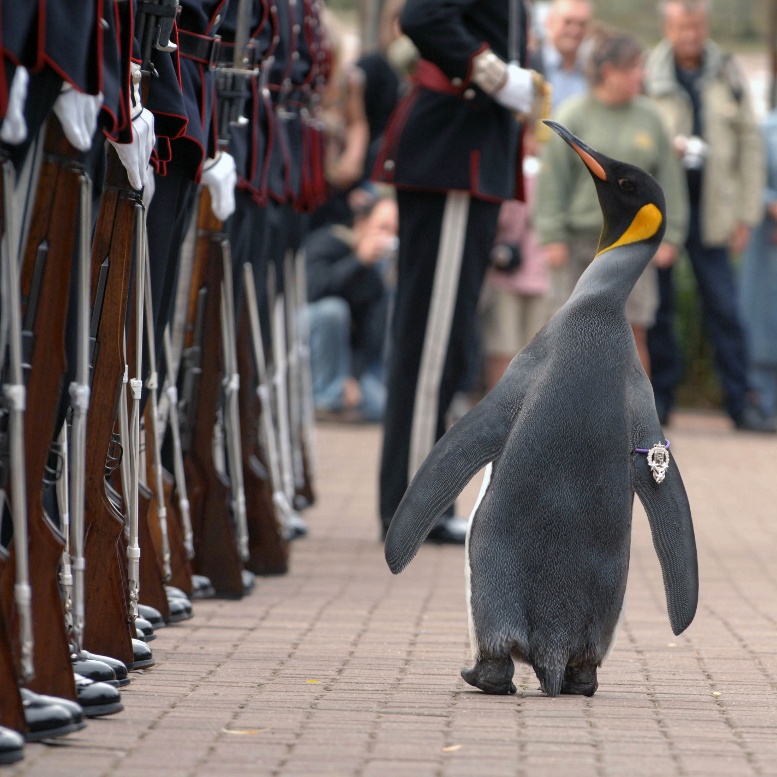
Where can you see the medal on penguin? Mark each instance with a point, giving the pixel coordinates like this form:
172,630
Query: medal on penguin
563,437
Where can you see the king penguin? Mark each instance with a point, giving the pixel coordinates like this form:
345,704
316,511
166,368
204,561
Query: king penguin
564,436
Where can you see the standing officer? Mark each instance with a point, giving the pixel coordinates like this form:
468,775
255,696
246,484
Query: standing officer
452,151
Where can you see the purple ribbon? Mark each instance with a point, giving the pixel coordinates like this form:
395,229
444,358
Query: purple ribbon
647,450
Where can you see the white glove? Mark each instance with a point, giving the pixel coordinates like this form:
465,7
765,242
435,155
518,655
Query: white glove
14,129
135,155
220,176
77,113
517,93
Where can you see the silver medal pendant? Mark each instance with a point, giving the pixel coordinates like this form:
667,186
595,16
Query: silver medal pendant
658,461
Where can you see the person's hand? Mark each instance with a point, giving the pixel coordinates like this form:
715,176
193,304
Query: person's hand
517,92
556,255
77,113
220,176
135,155
375,244
666,255
740,238
14,129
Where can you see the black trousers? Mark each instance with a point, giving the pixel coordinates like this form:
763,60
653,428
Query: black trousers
444,246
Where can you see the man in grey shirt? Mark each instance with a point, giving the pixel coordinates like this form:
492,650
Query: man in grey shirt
561,59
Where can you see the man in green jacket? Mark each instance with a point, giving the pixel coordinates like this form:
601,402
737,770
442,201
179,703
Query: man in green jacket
614,117
704,100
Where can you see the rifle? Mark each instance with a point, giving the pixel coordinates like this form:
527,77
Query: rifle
44,284
215,549
107,628
14,395
269,544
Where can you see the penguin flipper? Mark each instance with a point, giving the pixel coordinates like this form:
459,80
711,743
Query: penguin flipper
669,514
668,511
470,444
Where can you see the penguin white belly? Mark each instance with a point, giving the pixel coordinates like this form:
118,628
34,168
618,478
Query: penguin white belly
473,640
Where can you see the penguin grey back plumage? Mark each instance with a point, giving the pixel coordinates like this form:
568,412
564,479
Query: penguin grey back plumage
548,548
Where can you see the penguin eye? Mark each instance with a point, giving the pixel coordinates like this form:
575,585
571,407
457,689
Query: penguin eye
626,184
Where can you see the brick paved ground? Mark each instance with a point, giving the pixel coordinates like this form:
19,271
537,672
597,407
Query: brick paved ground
340,668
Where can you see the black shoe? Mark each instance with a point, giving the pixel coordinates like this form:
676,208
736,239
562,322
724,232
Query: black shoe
152,615
175,593
203,588
97,671
48,719
142,656
97,699
11,746
451,530
753,419
142,626
180,610
119,669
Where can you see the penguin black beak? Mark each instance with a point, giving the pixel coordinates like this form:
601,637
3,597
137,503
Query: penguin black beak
584,151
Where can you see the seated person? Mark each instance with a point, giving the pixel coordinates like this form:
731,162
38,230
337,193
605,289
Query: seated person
347,313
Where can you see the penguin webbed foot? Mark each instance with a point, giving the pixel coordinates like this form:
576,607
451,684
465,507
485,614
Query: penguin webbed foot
492,675
580,681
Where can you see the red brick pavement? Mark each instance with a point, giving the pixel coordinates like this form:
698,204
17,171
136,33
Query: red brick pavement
339,668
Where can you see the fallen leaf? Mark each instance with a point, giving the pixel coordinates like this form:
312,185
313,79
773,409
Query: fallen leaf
314,682
716,693
451,748
243,731
672,644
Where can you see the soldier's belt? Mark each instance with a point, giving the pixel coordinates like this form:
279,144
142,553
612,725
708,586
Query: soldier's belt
204,49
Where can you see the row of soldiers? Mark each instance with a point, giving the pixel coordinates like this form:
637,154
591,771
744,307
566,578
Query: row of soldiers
158,158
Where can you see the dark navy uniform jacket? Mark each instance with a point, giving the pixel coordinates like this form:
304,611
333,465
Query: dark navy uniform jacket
447,134
201,20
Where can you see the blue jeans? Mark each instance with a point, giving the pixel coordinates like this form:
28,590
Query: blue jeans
717,290
329,322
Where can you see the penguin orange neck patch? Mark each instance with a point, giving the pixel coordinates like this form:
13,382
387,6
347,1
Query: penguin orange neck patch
643,226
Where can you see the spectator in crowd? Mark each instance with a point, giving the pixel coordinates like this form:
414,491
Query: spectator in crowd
758,284
706,106
346,133
562,54
514,306
612,116
347,312
452,151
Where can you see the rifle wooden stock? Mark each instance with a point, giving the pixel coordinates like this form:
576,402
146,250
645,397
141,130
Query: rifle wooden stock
215,549
179,563
108,629
268,548
152,589
45,282
11,710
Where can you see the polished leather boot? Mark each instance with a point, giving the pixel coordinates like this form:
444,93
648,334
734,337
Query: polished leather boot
143,658
97,699
203,588
49,719
152,615
122,678
97,671
144,627
11,746
180,610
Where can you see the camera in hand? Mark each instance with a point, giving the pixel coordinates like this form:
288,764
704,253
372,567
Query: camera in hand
506,257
